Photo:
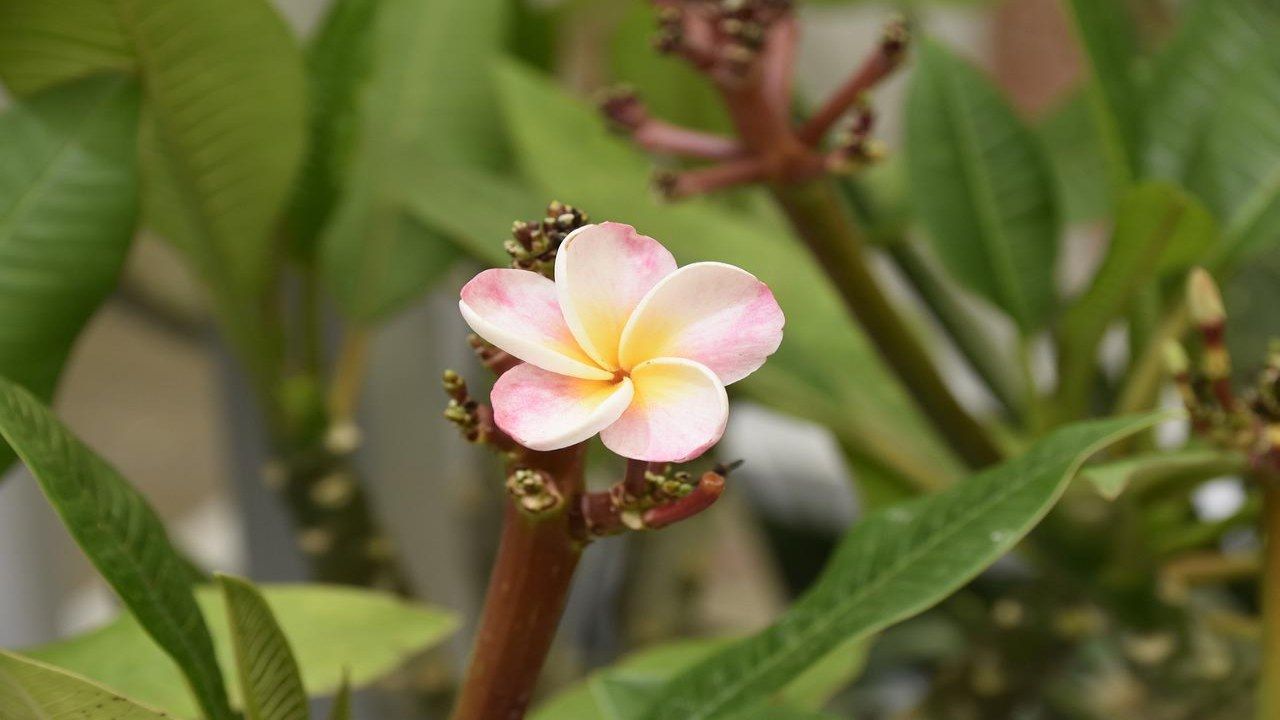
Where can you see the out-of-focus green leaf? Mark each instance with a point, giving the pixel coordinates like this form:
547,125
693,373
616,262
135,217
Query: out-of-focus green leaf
825,370
342,702
33,691
68,203
1238,170
334,631
1106,31
339,61
1113,478
1071,138
982,187
1252,296
671,89
47,43
892,565
270,682
124,539
1159,229
1217,39
429,100
225,126
624,690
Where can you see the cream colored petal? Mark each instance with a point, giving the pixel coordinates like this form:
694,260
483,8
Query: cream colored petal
716,314
679,410
518,311
602,272
546,411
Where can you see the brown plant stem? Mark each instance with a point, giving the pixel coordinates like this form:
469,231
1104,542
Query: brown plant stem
527,591
1269,679
818,217
334,520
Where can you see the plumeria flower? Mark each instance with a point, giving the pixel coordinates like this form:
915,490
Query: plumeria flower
623,344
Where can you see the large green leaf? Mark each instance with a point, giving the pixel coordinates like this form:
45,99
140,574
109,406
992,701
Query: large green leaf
825,370
982,187
225,126
892,565
1216,40
428,101
1159,229
333,630
1074,144
34,691
1238,170
270,682
68,201
124,539
339,61
46,43
624,690
1106,31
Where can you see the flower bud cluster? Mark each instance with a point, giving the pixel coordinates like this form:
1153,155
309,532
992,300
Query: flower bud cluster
533,245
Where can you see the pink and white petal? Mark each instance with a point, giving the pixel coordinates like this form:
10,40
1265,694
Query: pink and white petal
679,410
518,311
716,314
546,411
602,273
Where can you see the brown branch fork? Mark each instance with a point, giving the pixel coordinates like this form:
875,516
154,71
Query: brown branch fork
748,50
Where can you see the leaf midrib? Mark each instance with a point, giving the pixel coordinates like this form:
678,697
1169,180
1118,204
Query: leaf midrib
992,235
11,220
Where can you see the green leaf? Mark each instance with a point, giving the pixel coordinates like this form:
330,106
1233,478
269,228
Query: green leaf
334,631
225,126
124,539
270,682
1217,39
671,89
342,702
43,43
892,565
339,62
982,187
1070,136
1238,171
68,203
34,691
625,689
1143,471
1106,31
825,371
1159,229
427,102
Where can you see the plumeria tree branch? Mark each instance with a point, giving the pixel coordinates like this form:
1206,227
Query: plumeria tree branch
588,319
747,48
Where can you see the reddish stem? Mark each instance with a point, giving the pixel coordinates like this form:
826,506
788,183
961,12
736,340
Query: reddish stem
527,591
715,177
879,65
664,138
709,489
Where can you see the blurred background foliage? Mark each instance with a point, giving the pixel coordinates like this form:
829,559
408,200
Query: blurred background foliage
300,188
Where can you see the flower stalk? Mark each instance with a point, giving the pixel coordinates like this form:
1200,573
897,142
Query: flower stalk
588,319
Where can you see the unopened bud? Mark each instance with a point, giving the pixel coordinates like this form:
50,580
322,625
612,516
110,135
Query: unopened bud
1203,299
1175,358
